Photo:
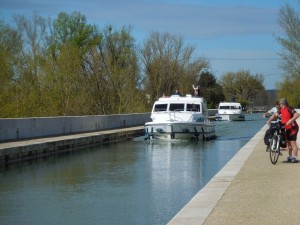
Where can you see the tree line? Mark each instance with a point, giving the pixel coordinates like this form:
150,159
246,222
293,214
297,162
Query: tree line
69,67
289,20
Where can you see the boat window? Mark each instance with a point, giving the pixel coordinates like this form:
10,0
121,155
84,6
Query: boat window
224,107
193,107
177,107
235,107
160,107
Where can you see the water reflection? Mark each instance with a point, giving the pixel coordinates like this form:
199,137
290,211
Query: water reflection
135,182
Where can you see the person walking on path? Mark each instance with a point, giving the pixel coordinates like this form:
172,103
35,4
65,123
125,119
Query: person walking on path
288,118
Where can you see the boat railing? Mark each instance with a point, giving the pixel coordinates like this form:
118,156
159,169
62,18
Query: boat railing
173,116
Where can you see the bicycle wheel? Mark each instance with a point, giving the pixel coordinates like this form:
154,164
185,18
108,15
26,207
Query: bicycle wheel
274,149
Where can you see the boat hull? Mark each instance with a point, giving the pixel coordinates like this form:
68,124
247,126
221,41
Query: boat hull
231,117
180,131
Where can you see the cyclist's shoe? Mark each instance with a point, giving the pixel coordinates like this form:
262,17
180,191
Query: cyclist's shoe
268,148
295,160
289,159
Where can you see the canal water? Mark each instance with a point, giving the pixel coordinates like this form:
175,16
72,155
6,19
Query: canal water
134,182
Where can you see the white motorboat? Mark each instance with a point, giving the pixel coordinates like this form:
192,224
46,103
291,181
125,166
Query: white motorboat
230,111
178,117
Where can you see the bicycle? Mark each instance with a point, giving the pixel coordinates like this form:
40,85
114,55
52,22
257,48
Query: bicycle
277,141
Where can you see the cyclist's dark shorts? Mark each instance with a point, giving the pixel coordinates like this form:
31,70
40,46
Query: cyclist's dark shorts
291,134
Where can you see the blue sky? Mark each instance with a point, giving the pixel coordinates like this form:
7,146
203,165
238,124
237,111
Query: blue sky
233,34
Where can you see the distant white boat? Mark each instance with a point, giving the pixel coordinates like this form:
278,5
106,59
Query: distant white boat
178,117
230,111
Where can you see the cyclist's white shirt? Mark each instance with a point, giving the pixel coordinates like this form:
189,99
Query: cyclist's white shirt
273,110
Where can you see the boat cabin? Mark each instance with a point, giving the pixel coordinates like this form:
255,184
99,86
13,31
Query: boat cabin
177,108
230,106
180,104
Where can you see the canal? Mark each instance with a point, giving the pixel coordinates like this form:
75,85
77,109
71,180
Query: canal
135,182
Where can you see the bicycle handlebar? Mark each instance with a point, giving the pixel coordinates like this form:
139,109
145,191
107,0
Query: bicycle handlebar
277,121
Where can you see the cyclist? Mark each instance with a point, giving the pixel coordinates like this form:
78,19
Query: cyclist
273,110
288,118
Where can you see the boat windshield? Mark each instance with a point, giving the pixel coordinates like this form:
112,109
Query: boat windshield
193,107
230,107
177,107
160,107
224,107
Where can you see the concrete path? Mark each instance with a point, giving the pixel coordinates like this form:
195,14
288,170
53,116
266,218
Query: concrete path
248,190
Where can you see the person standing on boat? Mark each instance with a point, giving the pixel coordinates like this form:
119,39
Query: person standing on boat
288,118
196,90
177,92
273,110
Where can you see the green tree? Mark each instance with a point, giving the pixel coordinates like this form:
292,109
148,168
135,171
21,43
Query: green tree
10,47
75,29
34,34
64,89
167,64
289,21
210,89
117,79
32,29
289,89
242,84
69,65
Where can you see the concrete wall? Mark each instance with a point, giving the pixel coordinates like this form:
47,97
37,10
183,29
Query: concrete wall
21,128
16,151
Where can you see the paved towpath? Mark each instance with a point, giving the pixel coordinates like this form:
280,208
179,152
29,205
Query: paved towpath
248,190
